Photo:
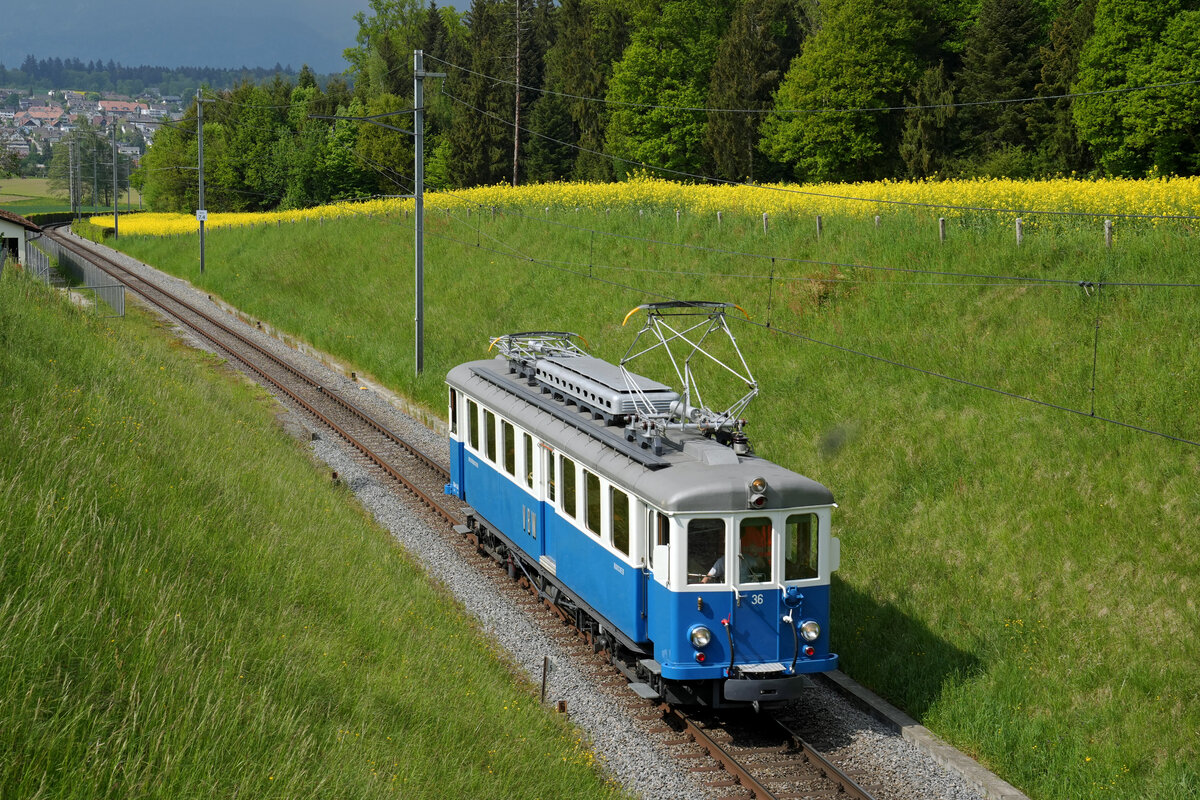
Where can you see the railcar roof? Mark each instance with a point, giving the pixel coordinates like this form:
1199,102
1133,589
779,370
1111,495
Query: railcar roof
693,474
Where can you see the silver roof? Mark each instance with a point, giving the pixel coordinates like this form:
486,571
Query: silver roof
693,474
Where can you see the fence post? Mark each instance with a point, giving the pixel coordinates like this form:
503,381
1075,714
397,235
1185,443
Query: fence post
1108,233
718,219
942,228
818,226
677,218
876,222
764,222
1020,234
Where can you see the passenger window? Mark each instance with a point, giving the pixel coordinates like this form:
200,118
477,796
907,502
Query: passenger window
620,519
550,475
754,550
800,547
528,459
568,483
453,411
489,430
510,448
473,425
591,496
706,551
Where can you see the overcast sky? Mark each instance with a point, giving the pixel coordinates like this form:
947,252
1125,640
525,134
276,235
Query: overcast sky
186,33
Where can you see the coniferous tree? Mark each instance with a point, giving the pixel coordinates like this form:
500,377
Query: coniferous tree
1061,149
591,36
928,138
762,39
1002,62
480,142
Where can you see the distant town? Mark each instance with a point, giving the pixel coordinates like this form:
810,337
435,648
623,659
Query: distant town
32,124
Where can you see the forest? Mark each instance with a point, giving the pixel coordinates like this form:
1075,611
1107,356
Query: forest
42,74
704,90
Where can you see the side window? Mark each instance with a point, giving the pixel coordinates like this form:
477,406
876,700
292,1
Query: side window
800,547
489,431
453,411
473,424
591,496
620,519
510,448
528,459
754,550
568,487
550,475
706,551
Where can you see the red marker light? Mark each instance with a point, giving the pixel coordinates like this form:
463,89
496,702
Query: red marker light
808,651
700,658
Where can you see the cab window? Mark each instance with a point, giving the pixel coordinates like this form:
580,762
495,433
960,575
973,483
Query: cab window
754,550
453,411
550,475
706,551
800,547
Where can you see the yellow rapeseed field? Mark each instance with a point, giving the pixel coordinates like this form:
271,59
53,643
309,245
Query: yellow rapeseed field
951,199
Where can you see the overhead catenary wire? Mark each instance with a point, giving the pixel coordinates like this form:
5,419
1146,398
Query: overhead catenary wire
998,280
817,110
807,193
849,350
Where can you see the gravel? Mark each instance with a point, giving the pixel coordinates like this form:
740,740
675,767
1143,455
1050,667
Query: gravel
630,750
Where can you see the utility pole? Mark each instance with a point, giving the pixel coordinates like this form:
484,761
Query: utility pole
71,171
116,196
201,212
419,76
517,97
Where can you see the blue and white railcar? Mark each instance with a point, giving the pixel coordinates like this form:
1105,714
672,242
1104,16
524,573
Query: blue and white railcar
633,535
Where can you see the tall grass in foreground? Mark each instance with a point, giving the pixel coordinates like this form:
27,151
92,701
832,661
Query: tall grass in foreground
189,609
1021,578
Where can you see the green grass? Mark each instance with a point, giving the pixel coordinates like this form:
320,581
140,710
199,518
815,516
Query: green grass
190,609
33,196
1021,578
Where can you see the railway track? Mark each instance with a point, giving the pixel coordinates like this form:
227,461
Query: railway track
739,755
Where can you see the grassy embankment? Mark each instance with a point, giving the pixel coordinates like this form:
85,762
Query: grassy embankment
1021,578
190,609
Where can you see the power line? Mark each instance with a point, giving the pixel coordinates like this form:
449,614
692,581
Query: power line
852,351
997,279
819,110
824,195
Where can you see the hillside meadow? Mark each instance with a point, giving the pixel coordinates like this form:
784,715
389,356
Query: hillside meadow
192,610
1020,561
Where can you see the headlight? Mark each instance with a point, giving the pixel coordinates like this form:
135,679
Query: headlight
700,637
810,630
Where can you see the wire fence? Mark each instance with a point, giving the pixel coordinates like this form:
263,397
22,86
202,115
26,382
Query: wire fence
47,257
